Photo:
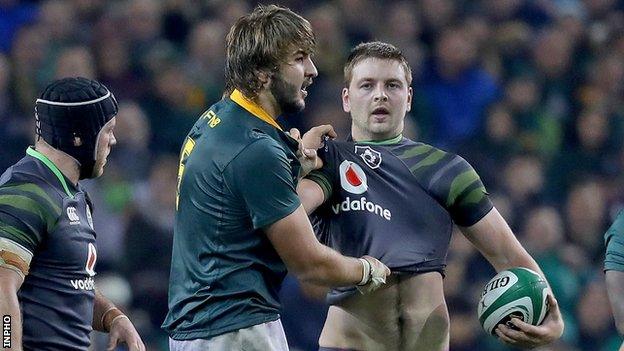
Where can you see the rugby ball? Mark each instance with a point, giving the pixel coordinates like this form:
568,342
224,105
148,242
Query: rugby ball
516,292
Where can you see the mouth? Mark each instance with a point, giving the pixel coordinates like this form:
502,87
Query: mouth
304,88
380,113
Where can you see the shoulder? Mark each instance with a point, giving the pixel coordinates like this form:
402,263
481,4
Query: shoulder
423,158
259,148
30,176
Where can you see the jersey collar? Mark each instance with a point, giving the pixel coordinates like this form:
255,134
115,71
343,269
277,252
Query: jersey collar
253,108
390,141
46,161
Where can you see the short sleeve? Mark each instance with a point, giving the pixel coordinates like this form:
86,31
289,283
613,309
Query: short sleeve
324,176
463,192
262,177
614,242
26,214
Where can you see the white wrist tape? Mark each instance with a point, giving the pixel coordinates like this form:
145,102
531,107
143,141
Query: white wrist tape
366,268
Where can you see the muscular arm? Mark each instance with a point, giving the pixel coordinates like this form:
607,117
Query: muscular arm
10,283
310,194
312,262
494,239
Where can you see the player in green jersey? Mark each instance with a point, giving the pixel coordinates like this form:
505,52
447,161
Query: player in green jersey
614,270
48,297
239,223
396,199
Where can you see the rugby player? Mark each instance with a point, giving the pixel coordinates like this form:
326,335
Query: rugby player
614,270
239,223
384,195
48,297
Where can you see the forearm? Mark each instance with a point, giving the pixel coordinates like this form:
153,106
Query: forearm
11,318
104,311
330,268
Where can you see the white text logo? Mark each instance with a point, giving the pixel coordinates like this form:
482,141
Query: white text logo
83,284
362,205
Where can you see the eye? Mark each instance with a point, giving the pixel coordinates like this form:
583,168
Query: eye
366,86
299,59
393,85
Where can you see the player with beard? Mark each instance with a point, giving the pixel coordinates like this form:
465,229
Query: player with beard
239,223
387,196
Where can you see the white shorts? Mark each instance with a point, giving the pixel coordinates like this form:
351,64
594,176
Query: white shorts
267,336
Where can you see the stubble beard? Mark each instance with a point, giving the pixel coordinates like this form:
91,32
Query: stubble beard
286,95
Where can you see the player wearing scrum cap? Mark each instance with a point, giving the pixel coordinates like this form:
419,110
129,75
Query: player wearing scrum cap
47,242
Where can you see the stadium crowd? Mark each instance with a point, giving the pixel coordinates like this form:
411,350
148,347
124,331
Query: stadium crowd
530,92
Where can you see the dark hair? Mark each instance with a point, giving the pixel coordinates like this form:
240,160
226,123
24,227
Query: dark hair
261,41
379,50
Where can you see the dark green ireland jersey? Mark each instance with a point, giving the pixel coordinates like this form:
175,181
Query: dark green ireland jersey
614,242
396,201
46,221
237,175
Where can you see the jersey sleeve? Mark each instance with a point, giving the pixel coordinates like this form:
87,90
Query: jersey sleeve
324,176
460,189
27,213
614,242
261,176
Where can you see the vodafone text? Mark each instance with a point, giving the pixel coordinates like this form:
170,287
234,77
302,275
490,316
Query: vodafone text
361,205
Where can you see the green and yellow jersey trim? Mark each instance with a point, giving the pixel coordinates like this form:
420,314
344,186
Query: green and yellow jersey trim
253,108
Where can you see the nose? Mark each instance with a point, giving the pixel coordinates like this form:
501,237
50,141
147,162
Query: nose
310,69
113,140
380,94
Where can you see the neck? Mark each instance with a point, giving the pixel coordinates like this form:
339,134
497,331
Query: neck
267,101
65,163
362,136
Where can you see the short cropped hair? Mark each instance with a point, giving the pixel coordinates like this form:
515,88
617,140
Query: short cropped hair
378,50
261,41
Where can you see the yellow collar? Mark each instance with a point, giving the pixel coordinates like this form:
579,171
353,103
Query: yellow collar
253,108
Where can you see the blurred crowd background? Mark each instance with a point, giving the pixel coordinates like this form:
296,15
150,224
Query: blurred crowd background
529,91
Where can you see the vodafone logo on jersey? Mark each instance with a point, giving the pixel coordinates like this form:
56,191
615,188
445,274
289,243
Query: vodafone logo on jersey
91,259
352,178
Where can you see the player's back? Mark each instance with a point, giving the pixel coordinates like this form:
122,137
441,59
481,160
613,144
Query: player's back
47,220
225,273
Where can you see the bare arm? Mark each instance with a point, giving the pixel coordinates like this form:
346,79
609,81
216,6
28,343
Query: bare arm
108,318
10,283
310,194
497,243
309,260
495,240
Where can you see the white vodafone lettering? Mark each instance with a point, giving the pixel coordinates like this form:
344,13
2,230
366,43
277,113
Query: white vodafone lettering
361,205
83,284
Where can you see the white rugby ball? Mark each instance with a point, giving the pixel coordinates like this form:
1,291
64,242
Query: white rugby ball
516,292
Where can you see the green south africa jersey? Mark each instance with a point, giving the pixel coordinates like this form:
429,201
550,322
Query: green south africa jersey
614,241
237,175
